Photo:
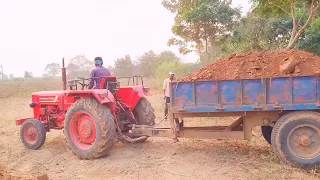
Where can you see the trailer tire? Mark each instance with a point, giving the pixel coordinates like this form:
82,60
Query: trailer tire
89,129
144,113
33,134
266,133
296,139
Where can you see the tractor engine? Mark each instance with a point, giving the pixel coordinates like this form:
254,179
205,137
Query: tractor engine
48,108
52,116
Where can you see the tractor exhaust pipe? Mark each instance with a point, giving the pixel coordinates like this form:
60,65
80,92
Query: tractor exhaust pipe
64,75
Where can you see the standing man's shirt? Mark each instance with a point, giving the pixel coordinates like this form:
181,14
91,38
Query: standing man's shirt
99,71
166,86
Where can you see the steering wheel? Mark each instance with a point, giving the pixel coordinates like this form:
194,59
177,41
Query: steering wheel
83,84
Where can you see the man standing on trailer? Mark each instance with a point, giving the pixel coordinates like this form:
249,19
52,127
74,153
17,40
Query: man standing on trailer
98,72
166,91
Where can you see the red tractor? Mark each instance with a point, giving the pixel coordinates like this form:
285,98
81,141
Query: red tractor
93,120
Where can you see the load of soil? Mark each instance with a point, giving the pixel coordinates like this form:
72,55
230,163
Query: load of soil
255,65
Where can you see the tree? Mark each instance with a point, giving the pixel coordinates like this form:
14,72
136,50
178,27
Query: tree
123,66
167,56
257,33
79,66
11,76
181,69
200,24
311,38
52,69
302,13
146,63
28,74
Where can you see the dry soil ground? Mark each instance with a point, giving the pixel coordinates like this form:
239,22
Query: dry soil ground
157,158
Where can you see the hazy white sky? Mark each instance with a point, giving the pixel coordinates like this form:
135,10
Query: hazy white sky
34,33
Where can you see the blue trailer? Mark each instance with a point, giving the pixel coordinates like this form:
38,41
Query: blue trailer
287,109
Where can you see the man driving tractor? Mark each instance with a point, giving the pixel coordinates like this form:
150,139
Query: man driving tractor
98,72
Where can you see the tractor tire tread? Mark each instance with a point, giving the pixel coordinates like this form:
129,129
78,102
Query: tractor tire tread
144,112
105,120
41,131
275,135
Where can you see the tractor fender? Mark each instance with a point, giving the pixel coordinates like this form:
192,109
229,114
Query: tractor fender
21,121
103,96
132,95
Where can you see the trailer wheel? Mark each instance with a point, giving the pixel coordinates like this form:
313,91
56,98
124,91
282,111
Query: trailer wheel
89,128
33,134
266,132
296,139
144,113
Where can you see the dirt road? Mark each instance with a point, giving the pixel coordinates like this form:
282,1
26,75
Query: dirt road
158,158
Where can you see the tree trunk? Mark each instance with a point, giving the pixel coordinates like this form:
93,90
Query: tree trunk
295,36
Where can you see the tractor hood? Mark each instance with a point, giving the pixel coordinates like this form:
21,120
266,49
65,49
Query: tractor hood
49,93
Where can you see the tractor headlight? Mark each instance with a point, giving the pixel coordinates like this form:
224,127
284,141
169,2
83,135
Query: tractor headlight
33,104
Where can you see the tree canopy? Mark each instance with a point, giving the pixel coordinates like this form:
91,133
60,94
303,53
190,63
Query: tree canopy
123,66
79,66
200,24
301,12
52,69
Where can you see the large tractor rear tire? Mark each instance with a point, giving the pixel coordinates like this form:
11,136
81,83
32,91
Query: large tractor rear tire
33,134
144,113
90,129
296,139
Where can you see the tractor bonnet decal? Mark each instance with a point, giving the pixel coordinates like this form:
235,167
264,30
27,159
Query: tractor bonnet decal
48,99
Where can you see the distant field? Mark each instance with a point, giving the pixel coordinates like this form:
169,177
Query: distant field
25,87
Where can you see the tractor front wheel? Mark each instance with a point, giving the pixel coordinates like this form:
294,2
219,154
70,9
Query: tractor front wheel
144,113
89,128
33,134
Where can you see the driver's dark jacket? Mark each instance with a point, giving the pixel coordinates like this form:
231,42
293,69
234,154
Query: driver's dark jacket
99,71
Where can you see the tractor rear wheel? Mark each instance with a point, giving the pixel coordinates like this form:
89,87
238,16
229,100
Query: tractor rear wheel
89,128
33,134
144,113
296,138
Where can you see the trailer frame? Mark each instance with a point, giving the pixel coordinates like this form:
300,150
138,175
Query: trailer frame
275,103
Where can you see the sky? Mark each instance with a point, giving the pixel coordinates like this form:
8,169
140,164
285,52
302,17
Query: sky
34,33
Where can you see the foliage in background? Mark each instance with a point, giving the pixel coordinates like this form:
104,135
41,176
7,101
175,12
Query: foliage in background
155,67
147,64
28,74
200,24
301,12
310,40
257,33
52,69
123,66
79,66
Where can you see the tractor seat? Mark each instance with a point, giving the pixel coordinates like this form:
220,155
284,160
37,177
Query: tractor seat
111,84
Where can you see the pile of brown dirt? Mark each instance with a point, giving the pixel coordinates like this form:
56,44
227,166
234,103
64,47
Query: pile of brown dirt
255,65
